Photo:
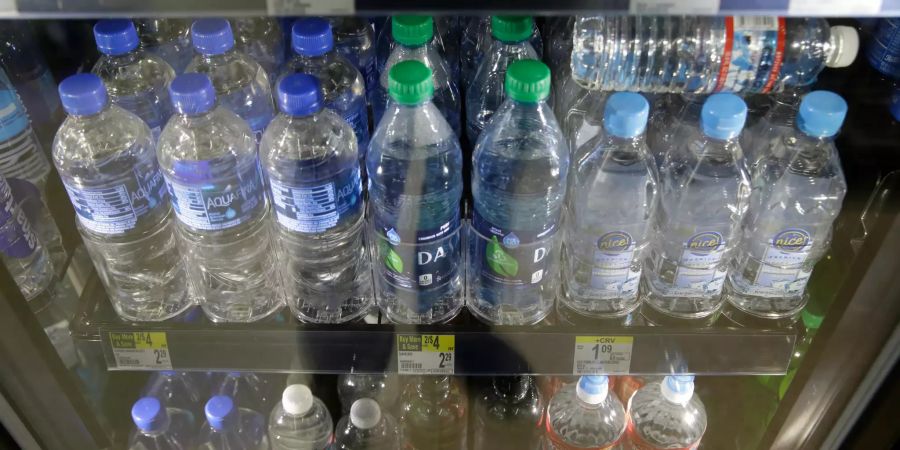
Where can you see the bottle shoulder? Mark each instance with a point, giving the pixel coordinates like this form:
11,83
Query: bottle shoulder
94,138
131,73
213,135
319,138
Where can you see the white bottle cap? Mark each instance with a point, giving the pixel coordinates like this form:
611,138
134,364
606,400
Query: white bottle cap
365,413
844,42
297,399
592,389
677,388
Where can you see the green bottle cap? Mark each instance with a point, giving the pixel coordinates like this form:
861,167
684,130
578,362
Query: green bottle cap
412,30
811,320
528,80
410,83
512,28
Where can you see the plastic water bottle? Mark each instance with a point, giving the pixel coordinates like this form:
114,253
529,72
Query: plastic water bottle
383,388
673,124
159,427
476,41
612,200
354,39
367,427
177,390
231,427
208,158
518,183
136,79
415,184
703,197
309,157
434,414
798,189
170,39
883,49
300,421
414,41
246,389
582,116
242,85
508,415
708,54
107,161
445,38
21,251
585,415
485,93
666,414
261,39
343,87
768,131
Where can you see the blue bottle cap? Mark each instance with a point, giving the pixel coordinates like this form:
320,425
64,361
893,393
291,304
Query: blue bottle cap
723,116
212,36
220,411
312,37
821,114
83,94
299,95
626,114
149,414
192,93
115,36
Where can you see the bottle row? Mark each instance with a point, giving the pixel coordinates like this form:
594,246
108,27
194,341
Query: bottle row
428,412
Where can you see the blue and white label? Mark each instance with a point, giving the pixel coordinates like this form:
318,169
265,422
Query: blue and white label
358,119
17,238
205,204
418,259
782,272
612,274
513,257
316,209
753,54
118,208
20,154
699,270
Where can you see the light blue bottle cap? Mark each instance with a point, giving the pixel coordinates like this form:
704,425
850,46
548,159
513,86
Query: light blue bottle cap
192,93
149,414
221,412
592,389
115,36
312,37
212,36
299,95
678,388
83,94
723,116
625,114
821,114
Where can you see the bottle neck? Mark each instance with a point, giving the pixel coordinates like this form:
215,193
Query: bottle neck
124,59
433,388
718,149
218,58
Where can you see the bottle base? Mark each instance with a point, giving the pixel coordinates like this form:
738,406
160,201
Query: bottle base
255,316
504,315
747,319
570,316
766,307
157,316
660,317
397,310
597,308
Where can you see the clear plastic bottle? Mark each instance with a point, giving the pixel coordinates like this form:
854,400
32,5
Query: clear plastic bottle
611,202
354,38
485,93
706,54
300,421
261,39
445,38
310,161
798,189
247,389
477,39
582,116
434,414
177,390
231,427
673,124
21,251
666,415
107,161
518,185
703,197
415,184
414,41
241,83
170,39
585,415
508,415
766,134
343,88
159,427
136,79
384,388
208,157
367,427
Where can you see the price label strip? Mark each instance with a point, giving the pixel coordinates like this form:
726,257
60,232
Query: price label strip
602,355
426,354
141,350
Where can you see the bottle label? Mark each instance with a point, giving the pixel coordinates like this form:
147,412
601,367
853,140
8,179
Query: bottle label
513,257
358,119
202,203
17,238
698,270
316,209
780,272
612,274
118,208
419,259
639,443
20,154
753,55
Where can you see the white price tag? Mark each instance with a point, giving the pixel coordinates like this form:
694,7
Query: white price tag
833,7
426,354
141,350
657,7
310,7
602,355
